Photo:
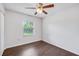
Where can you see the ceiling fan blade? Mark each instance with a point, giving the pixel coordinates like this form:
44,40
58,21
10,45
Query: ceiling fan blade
45,12
35,13
48,6
30,7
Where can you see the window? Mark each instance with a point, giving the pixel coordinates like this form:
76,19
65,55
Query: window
28,28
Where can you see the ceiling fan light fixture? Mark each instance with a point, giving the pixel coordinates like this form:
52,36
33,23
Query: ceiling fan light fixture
39,10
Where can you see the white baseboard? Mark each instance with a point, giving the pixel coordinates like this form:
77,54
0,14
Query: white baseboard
21,44
55,44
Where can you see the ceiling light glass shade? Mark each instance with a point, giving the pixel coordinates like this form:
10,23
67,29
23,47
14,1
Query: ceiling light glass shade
39,10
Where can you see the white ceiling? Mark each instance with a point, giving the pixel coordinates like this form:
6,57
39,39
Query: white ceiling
20,7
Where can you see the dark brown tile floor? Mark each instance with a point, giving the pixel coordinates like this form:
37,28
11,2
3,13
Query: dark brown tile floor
37,49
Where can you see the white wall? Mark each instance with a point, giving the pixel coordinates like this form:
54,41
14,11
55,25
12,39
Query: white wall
0,33
1,29
1,8
14,29
62,29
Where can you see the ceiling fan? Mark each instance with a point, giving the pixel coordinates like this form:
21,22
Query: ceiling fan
40,8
